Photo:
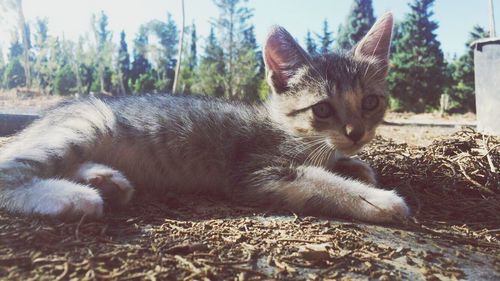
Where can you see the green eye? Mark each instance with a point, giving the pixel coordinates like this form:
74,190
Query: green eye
370,102
322,110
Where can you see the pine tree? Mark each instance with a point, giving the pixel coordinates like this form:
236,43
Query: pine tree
462,93
41,44
247,74
190,62
85,61
325,39
123,65
193,52
103,37
418,75
357,24
212,69
140,73
15,49
231,25
14,74
311,46
166,32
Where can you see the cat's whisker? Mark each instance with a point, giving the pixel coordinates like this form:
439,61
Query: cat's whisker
325,155
311,155
323,158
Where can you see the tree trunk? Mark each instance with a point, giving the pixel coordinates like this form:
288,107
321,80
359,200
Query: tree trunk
179,52
24,36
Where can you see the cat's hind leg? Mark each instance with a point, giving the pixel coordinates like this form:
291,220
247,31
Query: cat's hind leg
34,164
53,197
114,187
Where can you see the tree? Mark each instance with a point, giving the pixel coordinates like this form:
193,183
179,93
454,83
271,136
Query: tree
247,74
85,63
65,80
14,74
15,49
325,39
418,75
193,51
17,7
357,24
311,46
462,92
188,73
123,65
166,32
41,48
23,27
103,37
2,67
212,69
141,72
231,25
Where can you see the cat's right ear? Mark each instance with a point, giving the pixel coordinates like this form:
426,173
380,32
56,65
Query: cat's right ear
283,57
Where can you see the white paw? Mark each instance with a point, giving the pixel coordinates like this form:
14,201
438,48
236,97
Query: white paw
113,185
384,206
63,199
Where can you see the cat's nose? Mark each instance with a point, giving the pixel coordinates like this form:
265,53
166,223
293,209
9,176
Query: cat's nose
354,133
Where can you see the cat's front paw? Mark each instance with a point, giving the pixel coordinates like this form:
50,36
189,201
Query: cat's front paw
384,206
64,199
113,185
354,169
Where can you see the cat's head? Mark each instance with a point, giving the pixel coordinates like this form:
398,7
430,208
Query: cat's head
339,96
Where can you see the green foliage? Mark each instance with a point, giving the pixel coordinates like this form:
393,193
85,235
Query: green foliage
230,64
145,83
462,92
188,75
14,74
2,68
123,65
104,50
140,65
264,90
165,53
65,81
311,46
41,32
357,24
418,70
211,69
15,50
238,42
325,39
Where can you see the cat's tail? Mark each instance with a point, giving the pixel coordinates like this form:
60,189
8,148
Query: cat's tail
35,165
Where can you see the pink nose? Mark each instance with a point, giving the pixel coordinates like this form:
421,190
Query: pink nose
354,133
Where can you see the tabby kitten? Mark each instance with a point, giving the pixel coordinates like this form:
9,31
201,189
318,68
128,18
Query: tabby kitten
288,153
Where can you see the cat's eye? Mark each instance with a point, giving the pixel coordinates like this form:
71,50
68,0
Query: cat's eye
322,110
370,102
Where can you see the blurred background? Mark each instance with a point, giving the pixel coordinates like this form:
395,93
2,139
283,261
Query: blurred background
55,49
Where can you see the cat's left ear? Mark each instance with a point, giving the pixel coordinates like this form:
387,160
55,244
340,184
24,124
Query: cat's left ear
377,42
283,57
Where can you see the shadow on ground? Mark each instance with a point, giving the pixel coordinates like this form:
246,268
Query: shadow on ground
454,235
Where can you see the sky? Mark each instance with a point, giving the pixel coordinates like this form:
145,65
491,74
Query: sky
71,18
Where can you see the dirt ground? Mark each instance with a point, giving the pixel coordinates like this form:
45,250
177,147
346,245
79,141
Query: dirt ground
449,176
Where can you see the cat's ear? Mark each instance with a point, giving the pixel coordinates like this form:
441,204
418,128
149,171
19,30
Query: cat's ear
377,42
283,57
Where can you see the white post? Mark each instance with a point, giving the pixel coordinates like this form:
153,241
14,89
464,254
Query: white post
179,52
492,21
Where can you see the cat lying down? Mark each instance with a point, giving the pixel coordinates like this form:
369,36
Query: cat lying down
292,152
